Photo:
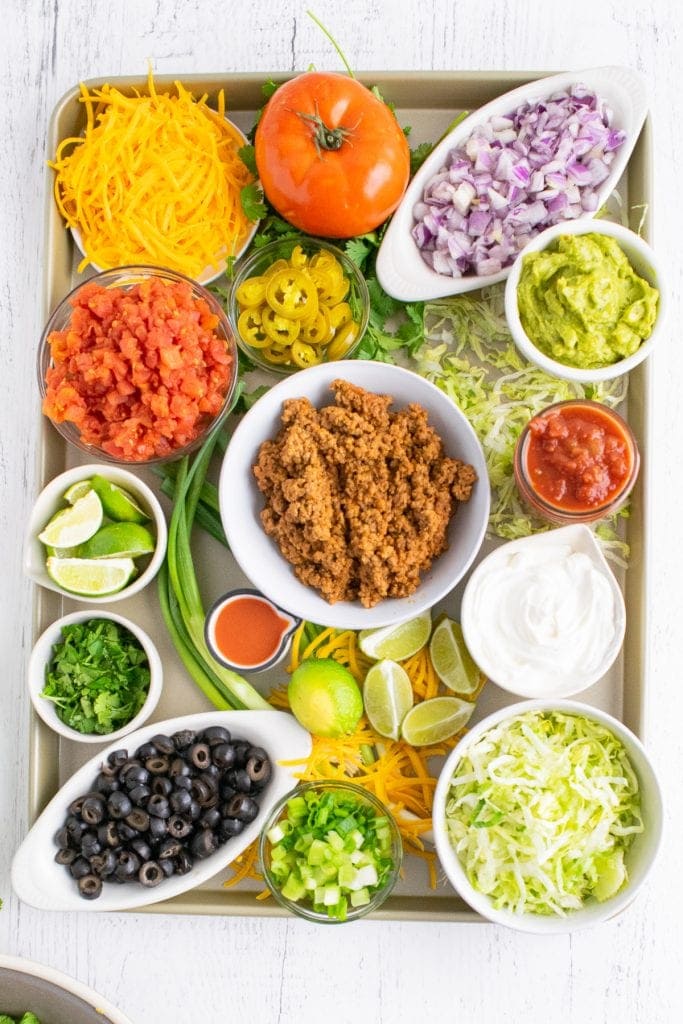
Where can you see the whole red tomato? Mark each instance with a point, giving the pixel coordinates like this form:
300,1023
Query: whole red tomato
332,158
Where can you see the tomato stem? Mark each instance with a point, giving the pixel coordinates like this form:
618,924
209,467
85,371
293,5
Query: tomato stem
328,139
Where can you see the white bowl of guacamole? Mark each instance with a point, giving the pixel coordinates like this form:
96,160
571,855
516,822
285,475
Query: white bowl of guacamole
584,300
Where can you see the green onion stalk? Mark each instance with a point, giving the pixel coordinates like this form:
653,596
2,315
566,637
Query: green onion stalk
181,601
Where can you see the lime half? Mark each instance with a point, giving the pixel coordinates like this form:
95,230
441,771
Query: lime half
452,661
118,503
396,642
91,577
74,525
435,720
325,698
388,696
118,540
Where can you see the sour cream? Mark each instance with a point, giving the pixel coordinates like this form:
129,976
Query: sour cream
544,616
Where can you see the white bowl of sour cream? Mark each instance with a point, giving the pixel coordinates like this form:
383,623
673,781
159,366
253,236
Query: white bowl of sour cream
544,617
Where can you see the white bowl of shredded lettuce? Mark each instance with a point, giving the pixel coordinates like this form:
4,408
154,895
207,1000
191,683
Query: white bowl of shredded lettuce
548,816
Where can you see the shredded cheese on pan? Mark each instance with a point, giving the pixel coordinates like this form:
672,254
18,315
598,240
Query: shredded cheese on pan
154,179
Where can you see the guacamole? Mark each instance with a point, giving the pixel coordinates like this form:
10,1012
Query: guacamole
581,302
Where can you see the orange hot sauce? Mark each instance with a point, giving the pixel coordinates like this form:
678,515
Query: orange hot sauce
248,630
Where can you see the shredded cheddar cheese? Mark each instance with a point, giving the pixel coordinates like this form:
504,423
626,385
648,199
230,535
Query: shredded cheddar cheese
154,179
396,772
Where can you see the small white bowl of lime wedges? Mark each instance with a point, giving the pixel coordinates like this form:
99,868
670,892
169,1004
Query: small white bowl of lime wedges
97,533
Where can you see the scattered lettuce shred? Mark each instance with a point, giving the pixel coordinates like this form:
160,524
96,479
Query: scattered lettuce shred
541,811
469,354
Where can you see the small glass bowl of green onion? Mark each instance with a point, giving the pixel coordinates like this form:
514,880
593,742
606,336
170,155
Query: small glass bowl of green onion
330,852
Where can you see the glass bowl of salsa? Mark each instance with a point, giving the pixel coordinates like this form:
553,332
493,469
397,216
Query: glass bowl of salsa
576,462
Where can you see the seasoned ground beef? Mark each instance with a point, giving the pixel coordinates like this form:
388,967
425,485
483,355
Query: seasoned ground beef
357,497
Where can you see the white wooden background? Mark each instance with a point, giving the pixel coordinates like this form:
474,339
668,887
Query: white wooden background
158,968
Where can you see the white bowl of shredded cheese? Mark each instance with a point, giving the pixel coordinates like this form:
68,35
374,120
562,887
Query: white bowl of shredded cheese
548,816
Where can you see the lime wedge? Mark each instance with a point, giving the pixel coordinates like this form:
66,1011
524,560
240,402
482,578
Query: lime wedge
74,525
118,503
396,642
435,720
612,875
118,540
388,696
452,661
77,490
324,697
95,577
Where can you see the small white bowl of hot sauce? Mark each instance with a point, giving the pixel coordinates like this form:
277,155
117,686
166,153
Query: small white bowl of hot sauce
576,462
248,633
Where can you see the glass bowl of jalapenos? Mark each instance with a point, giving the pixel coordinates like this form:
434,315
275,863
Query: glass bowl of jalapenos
298,302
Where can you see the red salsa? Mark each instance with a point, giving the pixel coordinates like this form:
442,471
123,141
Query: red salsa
578,457
248,630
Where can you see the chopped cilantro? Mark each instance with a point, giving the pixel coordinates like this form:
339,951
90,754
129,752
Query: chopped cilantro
97,677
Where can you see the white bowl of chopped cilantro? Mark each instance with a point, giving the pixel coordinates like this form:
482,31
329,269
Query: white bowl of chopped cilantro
94,677
548,816
33,993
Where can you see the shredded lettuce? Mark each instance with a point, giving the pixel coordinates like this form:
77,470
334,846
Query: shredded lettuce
469,354
541,811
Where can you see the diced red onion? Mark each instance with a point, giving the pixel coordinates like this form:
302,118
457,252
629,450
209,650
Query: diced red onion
513,177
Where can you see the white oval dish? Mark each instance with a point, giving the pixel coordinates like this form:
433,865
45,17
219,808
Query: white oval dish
401,270
639,857
643,260
42,883
259,556
561,683
51,995
42,653
50,500
209,274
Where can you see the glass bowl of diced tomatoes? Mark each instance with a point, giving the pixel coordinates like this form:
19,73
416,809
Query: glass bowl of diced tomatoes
137,365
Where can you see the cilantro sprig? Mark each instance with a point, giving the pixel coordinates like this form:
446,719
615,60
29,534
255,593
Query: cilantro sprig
98,676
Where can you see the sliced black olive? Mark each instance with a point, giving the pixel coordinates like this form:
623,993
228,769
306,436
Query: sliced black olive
242,749
259,769
117,758
90,845
164,744
204,843
138,819
139,795
168,867
75,827
135,775
241,806
126,833
150,874
179,769
142,848
179,800
182,739
201,792
127,864
127,766
90,887
106,784
157,765
161,786
93,808
62,838
215,734
157,828
108,834
212,771
146,750
200,755
66,856
183,863
240,780
119,805
158,806
179,826
210,818
104,864
195,811
258,752
230,827
227,789
224,755
169,848
79,868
